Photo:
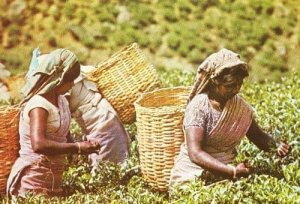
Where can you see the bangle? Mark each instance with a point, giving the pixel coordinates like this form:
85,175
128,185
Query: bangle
79,147
234,173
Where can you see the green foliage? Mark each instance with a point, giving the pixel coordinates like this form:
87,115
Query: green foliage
176,77
195,56
275,180
187,29
12,36
127,36
155,41
168,12
15,60
54,11
142,15
76,131
81,180
82,34
265,33
69,9
107,13
173,41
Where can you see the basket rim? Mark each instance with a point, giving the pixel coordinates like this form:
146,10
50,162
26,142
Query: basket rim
117,53
137,103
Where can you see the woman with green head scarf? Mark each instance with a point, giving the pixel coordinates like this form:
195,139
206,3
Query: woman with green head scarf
215,121
44,125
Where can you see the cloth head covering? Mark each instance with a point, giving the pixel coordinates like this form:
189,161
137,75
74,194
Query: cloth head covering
84,70
213,66
53,65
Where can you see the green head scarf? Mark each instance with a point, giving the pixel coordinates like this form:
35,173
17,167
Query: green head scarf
52,67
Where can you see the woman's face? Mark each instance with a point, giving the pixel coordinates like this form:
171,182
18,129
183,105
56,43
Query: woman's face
68,80
227,91
64,87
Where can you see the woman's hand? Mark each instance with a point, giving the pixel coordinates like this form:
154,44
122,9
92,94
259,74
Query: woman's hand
283,149
88,147
242,170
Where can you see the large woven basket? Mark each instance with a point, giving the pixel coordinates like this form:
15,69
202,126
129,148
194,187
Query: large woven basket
9,142
159,117
123,77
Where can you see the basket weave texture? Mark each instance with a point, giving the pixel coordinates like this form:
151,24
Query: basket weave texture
9,142
159,117
123,77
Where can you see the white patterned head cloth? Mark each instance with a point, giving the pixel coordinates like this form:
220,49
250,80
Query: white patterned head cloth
213,66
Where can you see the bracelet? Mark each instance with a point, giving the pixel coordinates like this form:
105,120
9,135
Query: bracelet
234,173
79,147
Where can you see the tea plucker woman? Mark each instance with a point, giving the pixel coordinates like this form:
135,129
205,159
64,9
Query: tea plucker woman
44,125
215,121
98,120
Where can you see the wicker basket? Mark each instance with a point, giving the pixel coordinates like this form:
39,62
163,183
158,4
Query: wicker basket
9,142
159,117
123,77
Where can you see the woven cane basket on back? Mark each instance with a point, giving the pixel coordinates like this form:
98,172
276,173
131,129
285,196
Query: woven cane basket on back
123,77
159,117
9,142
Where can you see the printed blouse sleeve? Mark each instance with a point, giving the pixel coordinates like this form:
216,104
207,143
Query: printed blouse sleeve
195,115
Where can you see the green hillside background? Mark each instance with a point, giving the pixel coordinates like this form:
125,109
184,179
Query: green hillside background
174,34
176,37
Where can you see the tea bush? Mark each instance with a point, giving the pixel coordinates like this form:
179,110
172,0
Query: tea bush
265,33
275,179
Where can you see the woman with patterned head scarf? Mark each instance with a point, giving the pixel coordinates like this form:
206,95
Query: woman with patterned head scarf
44,125
215,121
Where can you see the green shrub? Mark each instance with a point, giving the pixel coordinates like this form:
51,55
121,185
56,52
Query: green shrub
173,41
142,15
264,33
169,14
54,11
82,34
276,180
195,56
69,9
176,77
155,42
14,61
106,14
13,34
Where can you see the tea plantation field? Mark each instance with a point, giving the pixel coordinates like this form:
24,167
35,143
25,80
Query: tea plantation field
176,36
275,180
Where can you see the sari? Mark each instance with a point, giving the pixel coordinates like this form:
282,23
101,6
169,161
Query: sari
34,172
220,142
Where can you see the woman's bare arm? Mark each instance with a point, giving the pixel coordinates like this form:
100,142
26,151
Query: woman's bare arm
261,139
264,141
194,139
40,144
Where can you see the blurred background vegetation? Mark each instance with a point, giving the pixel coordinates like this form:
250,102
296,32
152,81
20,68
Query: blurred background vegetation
173,33
176,35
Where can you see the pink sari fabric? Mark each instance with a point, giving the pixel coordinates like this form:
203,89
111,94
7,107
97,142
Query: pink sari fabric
232,126
38,173
220,143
